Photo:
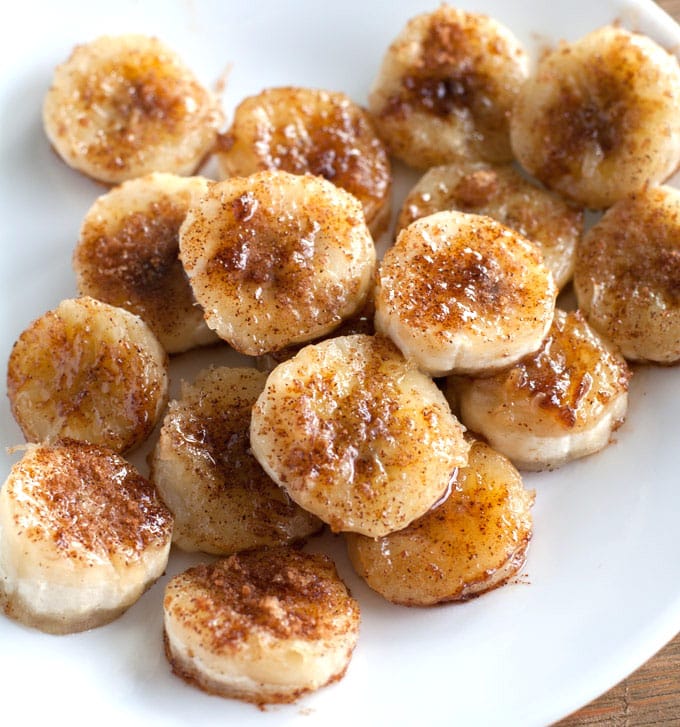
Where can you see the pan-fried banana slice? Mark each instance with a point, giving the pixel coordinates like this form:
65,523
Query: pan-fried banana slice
302,130
123,106
264,626
462,293
277,258
89,371
561,403
472,542
627,277
357,435
128,255
499,191
221,498
599,118
82,535
446,87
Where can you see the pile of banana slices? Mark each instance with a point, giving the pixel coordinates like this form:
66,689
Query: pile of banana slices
394,401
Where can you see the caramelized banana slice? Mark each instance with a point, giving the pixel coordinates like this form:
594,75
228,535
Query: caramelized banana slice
627,278
357,435
128,255
277,259
462,293
264,626
303,130
446,88
82,535
124,106
470,543
599,118
89,371
556,405
221,498
499,191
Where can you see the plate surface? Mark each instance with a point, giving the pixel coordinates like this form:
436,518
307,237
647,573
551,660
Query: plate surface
601,590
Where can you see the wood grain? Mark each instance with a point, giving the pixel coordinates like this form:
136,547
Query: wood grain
650,696
672,7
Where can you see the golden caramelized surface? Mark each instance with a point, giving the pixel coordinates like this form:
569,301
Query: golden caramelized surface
87,502
356,434
471,541
222,499
89,371
306,130
627,277
277,259
446,88
461,292
128,255
123,106
570,379
598,120
265,626
557,404
285,593
82,536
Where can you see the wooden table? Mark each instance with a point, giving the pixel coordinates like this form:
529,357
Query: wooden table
650,696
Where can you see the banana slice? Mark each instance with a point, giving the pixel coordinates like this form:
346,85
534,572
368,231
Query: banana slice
472,542
462,293
202,466
627,278
123,106
499,191
561,403
446,87
357,435
277,259
82,536
264,626
90,371
599,118
127,255
302,130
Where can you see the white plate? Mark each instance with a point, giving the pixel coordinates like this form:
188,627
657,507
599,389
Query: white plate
601,590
